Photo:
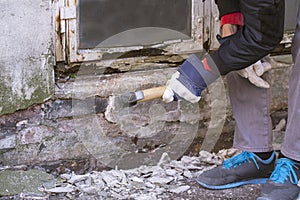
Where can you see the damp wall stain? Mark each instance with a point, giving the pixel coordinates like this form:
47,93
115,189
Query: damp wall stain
26,54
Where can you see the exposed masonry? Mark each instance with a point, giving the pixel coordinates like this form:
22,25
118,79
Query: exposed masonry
73,132
49,134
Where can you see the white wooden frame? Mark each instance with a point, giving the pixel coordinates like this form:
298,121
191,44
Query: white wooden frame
204,24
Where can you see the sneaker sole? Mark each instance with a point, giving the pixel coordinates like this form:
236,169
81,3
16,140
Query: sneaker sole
232,185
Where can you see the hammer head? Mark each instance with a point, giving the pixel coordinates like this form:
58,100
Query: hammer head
119,103
126,100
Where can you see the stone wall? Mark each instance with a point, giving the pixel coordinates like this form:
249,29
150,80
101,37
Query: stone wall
82,128
75,120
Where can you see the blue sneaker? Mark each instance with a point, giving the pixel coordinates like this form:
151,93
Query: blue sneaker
244,168
284,182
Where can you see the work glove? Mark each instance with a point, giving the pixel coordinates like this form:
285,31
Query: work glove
254,72
188,81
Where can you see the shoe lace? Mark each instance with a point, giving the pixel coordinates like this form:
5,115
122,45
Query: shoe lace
284,169
239,159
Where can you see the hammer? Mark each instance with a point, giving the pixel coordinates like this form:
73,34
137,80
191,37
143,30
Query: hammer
123,101
132,98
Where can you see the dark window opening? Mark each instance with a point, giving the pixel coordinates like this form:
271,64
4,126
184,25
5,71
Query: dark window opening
115,23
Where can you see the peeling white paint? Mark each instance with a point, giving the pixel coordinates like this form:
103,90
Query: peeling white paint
47,75
17,82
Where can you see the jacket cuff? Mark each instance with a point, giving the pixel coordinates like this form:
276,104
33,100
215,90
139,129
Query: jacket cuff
219,63
232,18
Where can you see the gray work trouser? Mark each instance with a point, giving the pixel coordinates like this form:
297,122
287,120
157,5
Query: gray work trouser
250,106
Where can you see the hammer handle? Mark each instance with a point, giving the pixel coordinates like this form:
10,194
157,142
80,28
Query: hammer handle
153,93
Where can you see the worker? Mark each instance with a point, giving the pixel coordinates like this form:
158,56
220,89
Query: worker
250,30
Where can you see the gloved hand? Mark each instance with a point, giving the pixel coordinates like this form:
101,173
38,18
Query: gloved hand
176,90
188,81
254,73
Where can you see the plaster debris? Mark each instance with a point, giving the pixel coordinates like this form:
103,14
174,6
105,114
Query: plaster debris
145,182
158,180
212,158
180,189
66,176
66,189
278,134
281,125
33,196
187,174
77,178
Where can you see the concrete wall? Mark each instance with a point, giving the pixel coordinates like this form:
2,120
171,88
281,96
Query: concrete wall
26,53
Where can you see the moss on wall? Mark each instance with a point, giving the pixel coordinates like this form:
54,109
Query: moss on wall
26,54
40,90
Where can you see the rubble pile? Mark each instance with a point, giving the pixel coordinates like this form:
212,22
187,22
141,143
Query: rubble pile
146,182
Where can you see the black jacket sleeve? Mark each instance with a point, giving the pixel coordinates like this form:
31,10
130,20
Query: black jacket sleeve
228,6
262,32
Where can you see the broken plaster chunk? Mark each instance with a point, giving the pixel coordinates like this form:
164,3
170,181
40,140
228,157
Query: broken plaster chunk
160,190
191,163
78,178
66,189
171,172
90,190
210,158
227,153
147,196
109,179
149,169
29,195
159,180
180,189
188,174
177,165
97,179
136,179
182,165
281,125
66,176
117,195
165,159
149,185
118,190
120,175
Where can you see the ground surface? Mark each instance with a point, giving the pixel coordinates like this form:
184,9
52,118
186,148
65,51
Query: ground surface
169,180
248,192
